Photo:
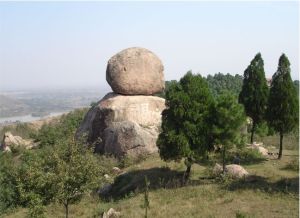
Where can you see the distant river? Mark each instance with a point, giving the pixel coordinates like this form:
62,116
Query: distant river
27,118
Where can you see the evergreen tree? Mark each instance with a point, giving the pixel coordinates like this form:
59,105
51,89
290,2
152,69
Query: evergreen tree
227,118
283,105
254,94
185,127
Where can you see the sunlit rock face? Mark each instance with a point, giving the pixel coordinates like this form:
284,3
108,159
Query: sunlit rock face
135,71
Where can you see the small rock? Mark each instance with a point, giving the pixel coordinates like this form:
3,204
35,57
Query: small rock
233,170
116,170
111,213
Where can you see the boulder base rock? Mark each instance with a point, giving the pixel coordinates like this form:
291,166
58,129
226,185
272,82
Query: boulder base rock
135,71
123,125
129,138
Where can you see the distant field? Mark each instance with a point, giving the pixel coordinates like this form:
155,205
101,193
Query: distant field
19,103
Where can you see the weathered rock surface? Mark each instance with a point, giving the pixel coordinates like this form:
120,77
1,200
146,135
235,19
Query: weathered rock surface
129,138
135,71
233,170
10,140
123,125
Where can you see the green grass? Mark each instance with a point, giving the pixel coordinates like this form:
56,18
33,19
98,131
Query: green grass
272,191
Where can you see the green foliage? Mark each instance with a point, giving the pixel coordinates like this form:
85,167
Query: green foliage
283,105
254,94
263,129
220,82
296,84
51,134
77,171
227,117
62,173
167,85
250,156
9,195
185,127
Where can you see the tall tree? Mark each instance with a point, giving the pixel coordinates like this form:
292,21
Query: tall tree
254,94
185,127
227,119
283,106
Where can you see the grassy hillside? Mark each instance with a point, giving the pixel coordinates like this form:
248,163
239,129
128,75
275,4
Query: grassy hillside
272,192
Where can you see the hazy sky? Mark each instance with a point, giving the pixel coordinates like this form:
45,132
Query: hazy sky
68,44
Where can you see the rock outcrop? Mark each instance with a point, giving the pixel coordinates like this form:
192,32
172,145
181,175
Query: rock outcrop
129,124
135,71
9,140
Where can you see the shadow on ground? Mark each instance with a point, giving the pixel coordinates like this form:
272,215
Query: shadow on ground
285,185
133,182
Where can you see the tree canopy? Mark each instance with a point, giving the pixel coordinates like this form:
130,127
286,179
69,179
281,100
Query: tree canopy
227,119
254,94
283,105
225,82
185,127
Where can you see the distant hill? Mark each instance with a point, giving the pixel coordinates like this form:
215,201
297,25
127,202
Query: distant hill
12,107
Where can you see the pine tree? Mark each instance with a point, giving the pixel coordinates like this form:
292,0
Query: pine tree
185,127
227,118
254,94
283,106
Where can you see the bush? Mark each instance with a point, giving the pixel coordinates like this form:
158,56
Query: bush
51,134
250,156
62,173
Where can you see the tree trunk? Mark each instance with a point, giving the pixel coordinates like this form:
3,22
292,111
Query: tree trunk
223,155
67,209
252,132
146,214
280,146
187,173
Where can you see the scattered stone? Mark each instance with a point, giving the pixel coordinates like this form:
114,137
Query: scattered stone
233,170
259,147
116,170
236,171
10,140
5,148
135,71
111,213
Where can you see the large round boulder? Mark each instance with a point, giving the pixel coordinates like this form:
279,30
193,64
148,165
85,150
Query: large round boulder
135,71
123,125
